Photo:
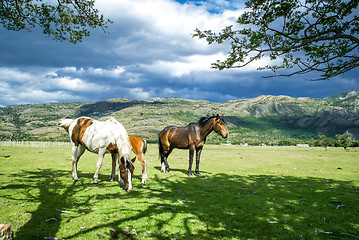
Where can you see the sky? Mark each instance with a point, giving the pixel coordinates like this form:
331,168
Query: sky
148,52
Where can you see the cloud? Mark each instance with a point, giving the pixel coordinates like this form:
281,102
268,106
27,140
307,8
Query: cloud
14,75
149,52
77,85
183,66
43,85
140,94
11,96
114,72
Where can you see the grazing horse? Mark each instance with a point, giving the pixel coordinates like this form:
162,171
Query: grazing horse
192,137
139,147
100,137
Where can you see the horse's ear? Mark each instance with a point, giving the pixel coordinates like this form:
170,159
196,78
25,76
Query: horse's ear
217,117
123,160
133,159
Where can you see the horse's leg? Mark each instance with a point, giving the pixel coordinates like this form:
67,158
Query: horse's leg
113,172
76,154
101,153
191,152
163,160
143,165
120,180
198,156
165,167
165,151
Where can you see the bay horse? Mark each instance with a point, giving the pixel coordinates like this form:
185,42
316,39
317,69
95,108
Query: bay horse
100,137
192,137
139,148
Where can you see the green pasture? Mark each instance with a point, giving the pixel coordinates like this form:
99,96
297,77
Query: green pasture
243,193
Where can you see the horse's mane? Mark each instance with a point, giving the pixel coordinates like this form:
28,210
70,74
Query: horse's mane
129,164
202,121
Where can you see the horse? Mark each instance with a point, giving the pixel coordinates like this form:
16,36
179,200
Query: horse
100,137
139,148
192,137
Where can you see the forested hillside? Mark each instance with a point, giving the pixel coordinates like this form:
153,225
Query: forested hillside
264,119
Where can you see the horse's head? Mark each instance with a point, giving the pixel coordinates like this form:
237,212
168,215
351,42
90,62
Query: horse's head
126,172
220,127
65,123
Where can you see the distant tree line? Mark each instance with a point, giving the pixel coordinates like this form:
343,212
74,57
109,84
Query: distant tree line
341,140
345,140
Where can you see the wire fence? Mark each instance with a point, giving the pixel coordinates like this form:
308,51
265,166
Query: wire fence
39,144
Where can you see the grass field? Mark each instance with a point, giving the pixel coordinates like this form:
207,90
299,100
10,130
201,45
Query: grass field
243,193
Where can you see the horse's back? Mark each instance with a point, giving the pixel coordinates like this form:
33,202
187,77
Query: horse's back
168,132
96,134
178,137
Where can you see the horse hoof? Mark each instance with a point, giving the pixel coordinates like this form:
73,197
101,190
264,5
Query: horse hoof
197,174
95,181
190,175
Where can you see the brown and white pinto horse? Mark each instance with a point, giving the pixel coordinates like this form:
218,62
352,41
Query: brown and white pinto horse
192,137
139,147
100,137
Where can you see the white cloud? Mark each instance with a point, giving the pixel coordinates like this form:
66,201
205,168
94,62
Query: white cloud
113,72
184,66
139,93
168,91
28,95
37,95
71,69
18,86
167,20
76,84
14,75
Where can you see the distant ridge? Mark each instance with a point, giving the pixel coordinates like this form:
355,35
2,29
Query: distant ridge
261,119
343,95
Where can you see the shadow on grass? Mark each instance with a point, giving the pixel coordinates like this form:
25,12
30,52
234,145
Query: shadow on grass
52,197
217,206
184,171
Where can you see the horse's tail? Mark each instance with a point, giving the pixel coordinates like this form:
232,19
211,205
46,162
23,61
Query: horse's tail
160,148
144,146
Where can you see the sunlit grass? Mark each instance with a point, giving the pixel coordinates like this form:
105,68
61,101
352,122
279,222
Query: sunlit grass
243,193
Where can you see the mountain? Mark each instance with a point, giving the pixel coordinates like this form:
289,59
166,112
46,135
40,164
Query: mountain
343,95
267,119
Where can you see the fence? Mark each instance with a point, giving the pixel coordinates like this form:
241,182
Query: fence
38,144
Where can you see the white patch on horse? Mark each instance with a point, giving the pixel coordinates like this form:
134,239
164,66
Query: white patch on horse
129,180
163,168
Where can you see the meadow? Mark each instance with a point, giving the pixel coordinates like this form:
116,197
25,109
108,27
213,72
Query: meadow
243,193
